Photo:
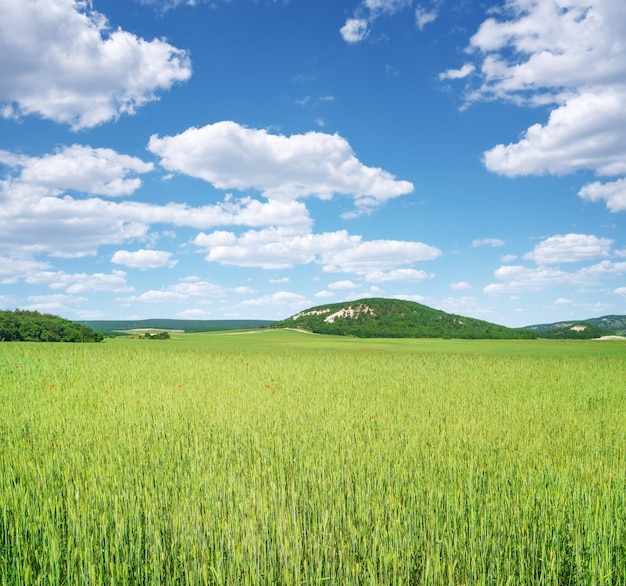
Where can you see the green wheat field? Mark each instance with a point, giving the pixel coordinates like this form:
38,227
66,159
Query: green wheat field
285,458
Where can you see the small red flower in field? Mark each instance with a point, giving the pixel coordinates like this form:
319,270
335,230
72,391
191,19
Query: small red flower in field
17,366
52,385
267,386
273,392
179,386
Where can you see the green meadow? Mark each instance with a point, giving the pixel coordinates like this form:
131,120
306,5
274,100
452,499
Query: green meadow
280,457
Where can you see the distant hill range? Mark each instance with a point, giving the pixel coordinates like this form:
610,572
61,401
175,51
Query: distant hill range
395,318
109,327
364,318
589,328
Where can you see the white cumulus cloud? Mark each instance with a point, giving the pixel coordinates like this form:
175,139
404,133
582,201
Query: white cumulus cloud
568,55
377,256
281,248
39,216
518,278
280,299
98,171
587,132
231,156
80,282
460,285
342,285
357,28
16,269
570,248
143,259
179,292
460,73
60,60
493,242
398,275
613,193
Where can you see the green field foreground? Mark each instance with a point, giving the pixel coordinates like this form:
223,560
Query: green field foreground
287,458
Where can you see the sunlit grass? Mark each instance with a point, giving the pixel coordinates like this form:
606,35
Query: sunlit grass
283,458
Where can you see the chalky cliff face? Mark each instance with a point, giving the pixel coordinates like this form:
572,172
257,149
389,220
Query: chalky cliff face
346,312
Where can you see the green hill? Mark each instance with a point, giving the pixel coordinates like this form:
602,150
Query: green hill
606,325
576,331
32,326
395,318
615,323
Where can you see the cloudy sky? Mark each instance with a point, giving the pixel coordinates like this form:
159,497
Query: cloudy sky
219,159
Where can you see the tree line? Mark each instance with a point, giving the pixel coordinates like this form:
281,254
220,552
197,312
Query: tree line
32,326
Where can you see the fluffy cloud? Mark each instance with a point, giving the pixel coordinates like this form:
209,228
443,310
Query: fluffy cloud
38,216
13,269
60,60
231,156
78,227
180,292
424,16
493,242
357,27
49,303
280,248
541,50
168,4
80,282
570,248
561,249
355,30
562,301
613,193
63,228
272,248
279,299
143,259
587,132
570,56
377,255
398,275
81,168
460,285
460,73
520,278
342,285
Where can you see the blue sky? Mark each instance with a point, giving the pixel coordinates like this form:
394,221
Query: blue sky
217,159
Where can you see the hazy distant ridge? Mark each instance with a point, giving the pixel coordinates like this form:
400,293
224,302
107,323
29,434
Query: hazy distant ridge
186,325
615,324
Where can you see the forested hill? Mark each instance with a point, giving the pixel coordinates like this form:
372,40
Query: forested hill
395,318
612,324
32,326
